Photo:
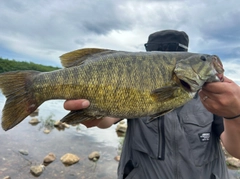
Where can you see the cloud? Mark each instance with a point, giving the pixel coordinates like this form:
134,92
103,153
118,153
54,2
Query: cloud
41,31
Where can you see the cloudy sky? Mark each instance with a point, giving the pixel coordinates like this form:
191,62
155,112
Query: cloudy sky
40,31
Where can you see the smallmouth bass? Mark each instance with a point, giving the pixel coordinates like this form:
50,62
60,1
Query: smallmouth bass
117,84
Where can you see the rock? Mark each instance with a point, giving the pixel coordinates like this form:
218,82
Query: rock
94,156
230,160
46,131
37,170
117,158
69,159
121,127
35,113
34,121
49,158
233,162
122,122
60,125
66,125
23,152
7,177
120,134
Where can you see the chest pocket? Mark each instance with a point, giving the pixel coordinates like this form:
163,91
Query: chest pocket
197,125
146,136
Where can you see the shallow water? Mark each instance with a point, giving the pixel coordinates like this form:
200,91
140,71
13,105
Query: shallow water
72,140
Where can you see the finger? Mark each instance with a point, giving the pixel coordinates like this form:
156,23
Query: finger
209,102
103,123
76,104
207,96
217,87
107,122
206,101
202,94
91,123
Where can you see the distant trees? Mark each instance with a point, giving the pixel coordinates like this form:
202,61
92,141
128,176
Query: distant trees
12,65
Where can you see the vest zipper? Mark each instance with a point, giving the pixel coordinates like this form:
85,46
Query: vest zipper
176,152
161,138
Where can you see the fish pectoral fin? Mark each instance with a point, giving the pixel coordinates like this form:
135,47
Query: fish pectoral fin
77,57
76,117
155,116
164,93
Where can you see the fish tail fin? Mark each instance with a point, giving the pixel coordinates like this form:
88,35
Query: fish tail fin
20,102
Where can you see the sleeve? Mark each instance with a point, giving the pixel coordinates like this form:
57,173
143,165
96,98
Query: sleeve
217,125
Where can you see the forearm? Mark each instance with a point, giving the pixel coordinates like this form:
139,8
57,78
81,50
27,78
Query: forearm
231,136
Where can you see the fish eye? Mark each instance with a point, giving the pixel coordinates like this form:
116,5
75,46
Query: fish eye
203,58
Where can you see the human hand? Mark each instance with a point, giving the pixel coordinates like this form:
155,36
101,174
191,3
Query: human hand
221,98
83,103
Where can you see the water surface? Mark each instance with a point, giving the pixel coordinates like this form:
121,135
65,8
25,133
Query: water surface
72,140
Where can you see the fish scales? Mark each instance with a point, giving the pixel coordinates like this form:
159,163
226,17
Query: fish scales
135,78
117,84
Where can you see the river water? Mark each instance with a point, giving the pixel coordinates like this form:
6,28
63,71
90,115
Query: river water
77,140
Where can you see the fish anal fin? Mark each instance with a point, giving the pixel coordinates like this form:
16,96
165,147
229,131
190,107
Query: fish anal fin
77,57
79,116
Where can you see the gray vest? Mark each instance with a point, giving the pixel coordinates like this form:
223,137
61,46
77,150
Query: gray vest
179,145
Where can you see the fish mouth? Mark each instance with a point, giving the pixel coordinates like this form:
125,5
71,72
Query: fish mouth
218,66
187,86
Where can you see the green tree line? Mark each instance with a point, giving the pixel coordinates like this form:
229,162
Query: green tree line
12,65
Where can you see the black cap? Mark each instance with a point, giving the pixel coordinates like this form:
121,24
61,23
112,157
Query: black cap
167,40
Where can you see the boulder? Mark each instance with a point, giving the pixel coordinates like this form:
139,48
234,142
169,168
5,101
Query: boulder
35,113
37,170
117,158
121,127
69,159
49,158
94,156
234,162
7,177
46,131
61,125
23,152
34,121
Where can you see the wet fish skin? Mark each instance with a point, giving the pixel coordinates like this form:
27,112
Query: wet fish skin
118,84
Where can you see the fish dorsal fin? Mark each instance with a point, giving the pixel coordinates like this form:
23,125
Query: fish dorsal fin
77,57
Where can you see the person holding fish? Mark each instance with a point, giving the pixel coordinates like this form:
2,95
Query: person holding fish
173,100
185,142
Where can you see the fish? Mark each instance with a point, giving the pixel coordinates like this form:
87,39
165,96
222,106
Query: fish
118,84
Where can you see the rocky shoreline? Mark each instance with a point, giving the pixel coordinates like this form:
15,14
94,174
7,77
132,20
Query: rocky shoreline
71,158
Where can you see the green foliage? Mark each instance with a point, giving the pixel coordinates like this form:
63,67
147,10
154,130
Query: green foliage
12,65
48,122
